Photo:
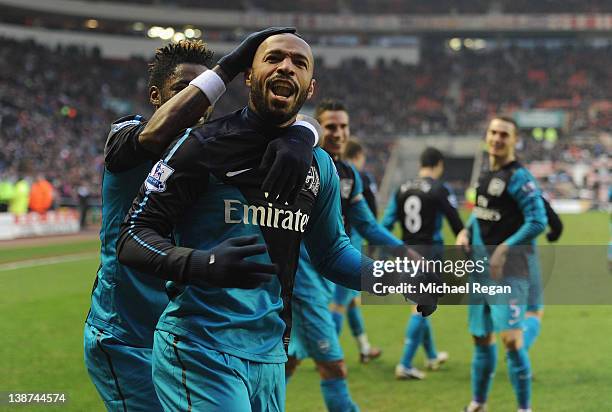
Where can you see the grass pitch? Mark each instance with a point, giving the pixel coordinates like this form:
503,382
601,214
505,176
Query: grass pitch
43,308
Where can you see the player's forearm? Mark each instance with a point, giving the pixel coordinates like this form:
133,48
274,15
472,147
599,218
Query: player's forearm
147,251
362,219
344,267
454,220
180,112
554,222
527,232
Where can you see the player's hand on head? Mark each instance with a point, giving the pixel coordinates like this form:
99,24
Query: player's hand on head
227,266
287,160
241,58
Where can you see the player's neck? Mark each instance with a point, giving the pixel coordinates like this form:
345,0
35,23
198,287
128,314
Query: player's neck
263,118
496,163
427,172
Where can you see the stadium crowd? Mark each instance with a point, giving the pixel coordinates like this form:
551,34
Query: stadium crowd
56,104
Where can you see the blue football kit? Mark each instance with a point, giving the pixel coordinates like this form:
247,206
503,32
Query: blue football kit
343,296
203,192
314,334
419,205
509,209
125,304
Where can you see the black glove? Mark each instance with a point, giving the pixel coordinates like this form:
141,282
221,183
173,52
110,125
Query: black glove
241,58
426,310
225,265
288,159
427,303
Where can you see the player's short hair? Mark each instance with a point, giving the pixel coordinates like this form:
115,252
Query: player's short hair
329,105
510,120
431,156
168,57
353,149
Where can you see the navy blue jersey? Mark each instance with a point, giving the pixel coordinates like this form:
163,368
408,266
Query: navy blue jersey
124,302
509,206
419,205
369,191
509,209
205,190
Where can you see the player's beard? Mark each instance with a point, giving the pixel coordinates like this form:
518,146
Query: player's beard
269,113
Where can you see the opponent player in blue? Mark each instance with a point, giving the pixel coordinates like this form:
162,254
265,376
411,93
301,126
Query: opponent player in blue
126,304
346,300
314,333
419,205
508,216
217,347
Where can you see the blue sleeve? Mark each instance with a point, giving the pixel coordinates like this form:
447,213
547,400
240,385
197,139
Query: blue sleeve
390,216
524,190
361,218
357,192
329,248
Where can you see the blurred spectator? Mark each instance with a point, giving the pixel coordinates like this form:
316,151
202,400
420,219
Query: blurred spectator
41,195
84,195
21,196
7,191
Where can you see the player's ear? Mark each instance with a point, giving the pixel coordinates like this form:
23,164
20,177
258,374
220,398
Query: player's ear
247,77
311,88
154,96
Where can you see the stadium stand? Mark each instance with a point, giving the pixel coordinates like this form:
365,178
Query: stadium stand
58,103
392,6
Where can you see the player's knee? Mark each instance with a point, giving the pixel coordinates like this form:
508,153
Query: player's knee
332,370
512,340
353,303
291,365
484,340
335,307
535,314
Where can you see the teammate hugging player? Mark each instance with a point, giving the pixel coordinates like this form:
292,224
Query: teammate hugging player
419,205
314,334
219,348
509,215
126,304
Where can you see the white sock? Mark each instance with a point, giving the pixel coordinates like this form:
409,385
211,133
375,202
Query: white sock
364,343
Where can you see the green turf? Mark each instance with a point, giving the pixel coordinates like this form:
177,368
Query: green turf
43,308
41,251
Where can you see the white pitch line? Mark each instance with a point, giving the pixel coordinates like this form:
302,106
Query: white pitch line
4,267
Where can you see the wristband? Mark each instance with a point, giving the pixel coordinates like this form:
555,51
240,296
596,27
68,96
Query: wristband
210,84
309,127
